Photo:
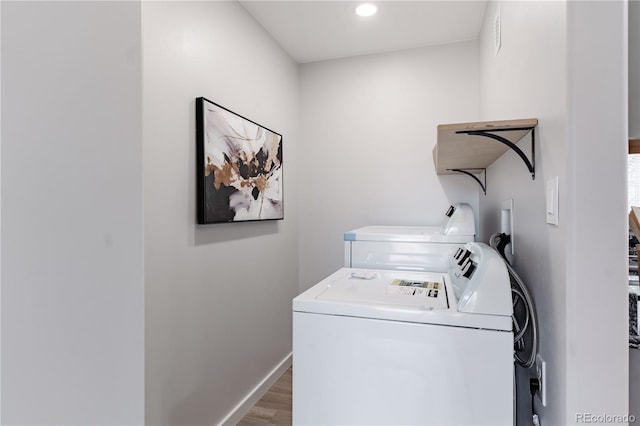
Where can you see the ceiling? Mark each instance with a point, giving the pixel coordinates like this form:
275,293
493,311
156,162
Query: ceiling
318,30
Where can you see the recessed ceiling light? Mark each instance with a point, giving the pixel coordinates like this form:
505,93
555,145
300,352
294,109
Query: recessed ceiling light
366,9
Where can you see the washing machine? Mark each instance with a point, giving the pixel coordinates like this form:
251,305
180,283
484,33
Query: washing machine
416,248
398,347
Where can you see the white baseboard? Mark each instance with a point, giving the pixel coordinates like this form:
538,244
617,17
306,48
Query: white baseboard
258,392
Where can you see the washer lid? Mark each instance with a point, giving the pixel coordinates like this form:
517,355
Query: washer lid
413,234
419,297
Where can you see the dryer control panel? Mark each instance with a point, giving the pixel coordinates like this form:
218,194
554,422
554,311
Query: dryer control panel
459,220
480,280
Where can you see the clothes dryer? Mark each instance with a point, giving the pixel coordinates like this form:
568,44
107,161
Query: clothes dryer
413,248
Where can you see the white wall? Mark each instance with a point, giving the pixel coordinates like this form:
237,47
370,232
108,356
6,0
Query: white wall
596,210
218,297
72,237
570,76
368,130
0,217
634,132
527,79
634,383
634,69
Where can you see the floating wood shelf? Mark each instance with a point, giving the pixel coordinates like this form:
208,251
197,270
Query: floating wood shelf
470,148
634,146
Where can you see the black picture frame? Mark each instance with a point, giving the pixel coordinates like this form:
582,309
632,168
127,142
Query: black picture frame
238,167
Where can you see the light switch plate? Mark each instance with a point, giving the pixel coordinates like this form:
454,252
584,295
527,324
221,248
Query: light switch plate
552,201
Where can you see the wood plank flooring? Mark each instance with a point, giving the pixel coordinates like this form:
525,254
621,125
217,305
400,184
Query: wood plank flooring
275,406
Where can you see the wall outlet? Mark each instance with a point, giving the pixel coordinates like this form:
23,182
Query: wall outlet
541,371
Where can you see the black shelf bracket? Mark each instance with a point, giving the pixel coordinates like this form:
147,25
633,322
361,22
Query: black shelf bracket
468,173
531,165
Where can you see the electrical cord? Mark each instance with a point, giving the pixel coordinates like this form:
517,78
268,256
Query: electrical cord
523,312
534,387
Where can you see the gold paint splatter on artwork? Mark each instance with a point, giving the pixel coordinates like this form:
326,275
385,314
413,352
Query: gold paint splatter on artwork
261,183
228,174
223,175
209,168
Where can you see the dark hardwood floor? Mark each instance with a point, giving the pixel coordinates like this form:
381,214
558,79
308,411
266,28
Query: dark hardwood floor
275,406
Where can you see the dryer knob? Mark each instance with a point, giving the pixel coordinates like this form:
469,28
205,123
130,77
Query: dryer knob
458,253
464,257
470,269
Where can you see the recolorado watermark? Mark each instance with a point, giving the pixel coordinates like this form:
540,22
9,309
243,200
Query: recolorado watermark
604,418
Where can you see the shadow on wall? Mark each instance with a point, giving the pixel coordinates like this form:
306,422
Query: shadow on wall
222,232
194,410
451,185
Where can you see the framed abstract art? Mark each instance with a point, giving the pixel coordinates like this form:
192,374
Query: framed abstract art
239,167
